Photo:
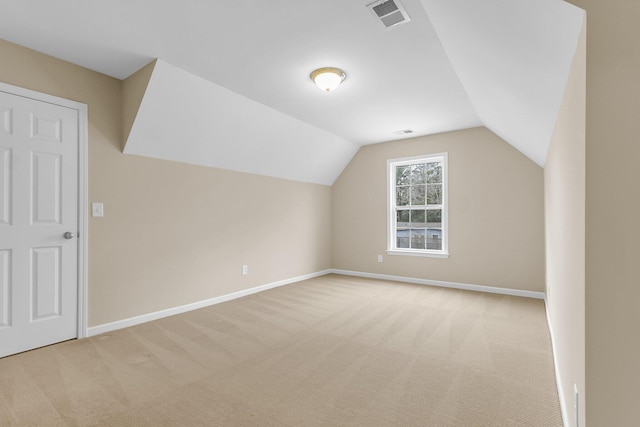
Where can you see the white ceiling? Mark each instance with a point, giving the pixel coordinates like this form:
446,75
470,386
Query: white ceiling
179,107
499,63
513,58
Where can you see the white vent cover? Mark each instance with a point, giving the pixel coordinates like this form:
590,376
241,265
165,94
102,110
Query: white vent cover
402,131
389,12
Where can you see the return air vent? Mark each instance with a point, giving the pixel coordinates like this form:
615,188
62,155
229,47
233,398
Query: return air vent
389,12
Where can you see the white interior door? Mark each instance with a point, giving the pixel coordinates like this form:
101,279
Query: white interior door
38,205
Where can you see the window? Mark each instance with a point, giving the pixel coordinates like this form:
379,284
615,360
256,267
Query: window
418,206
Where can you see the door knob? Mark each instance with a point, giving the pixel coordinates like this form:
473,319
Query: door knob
69,235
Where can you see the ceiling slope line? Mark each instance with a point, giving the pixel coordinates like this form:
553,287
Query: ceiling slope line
513,59
185,118
397,78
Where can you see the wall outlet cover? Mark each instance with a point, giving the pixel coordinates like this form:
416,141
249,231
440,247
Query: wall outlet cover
97,209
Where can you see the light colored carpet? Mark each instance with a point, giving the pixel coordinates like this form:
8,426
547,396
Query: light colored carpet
331,351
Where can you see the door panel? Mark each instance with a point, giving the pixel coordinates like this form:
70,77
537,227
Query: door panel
45,283
5,186
46,128
38,205
46,191
5,295
5,120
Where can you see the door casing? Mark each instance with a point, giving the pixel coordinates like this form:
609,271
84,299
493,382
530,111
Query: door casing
83,138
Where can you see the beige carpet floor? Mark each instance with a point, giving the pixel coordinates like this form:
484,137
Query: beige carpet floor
331,351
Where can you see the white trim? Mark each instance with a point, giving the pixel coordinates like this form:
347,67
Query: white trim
83,152
454,285
391,214
83,218
132,321
39,96
417,253
559,385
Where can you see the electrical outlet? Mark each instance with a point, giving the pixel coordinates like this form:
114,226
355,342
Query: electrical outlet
379,258
245,270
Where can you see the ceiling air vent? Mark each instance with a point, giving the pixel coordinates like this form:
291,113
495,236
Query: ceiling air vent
389,12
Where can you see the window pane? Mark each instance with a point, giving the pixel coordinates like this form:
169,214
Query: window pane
434,194
434,239
418,238
418,218
402,218
418,194
402,238
418,185
434,172
402,175
434,218
402,196
418,174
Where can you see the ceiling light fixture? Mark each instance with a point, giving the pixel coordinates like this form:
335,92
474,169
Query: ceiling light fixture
328,78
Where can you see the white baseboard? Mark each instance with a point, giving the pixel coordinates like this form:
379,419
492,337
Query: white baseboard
559,384
454,285
132,321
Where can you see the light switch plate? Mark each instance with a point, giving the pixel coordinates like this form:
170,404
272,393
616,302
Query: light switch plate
97,209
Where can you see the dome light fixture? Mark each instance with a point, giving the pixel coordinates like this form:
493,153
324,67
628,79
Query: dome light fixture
328,78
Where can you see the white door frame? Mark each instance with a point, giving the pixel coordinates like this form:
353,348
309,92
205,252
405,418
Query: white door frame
83,138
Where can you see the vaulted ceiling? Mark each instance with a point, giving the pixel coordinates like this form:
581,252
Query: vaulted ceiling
231,86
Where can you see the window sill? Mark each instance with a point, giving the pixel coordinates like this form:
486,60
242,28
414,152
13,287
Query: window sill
415,253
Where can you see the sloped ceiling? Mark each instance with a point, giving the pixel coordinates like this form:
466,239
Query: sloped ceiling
513,58
231,88
185,118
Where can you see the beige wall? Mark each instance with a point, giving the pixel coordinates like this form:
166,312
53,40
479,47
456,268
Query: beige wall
612,212
133,89
175,233
564,191
496,216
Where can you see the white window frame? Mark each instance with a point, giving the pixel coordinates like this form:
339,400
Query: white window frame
391,205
